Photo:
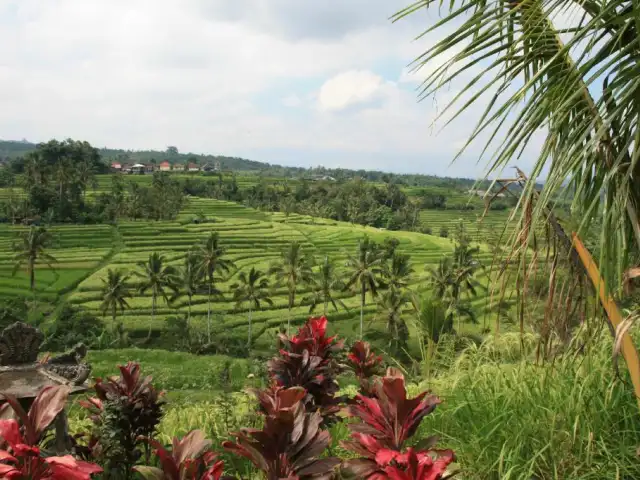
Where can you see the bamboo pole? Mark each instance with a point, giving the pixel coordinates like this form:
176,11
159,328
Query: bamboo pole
629,352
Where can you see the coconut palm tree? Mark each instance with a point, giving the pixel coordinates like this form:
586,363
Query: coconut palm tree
441,278
325,282
449,281
432,320
158,277
30,250
366,270
390,305
398,271
293,269
578,90
114,294
251,289
211,261
189,281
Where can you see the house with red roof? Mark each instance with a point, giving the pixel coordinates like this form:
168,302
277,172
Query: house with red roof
165,166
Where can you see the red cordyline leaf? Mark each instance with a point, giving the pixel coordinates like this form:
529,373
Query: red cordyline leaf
387,421
289,444
364,363
306,360
391,417
44,409
189,459
23,459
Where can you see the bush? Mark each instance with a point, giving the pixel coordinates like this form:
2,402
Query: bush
426,230
126,412
73,326
444,232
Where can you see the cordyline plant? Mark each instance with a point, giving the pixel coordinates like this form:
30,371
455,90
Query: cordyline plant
189,459
386,422
365,364
289,444
307,360
126,410
21,457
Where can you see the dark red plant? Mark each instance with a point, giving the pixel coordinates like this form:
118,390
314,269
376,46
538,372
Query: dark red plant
391,417
365,365
125,409
388,419
21,457
307,360
289,444
189,459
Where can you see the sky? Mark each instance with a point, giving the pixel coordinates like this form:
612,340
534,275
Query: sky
290,82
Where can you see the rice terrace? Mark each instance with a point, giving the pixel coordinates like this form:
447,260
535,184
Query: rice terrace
403,313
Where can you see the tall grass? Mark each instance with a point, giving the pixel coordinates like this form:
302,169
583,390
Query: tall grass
508,418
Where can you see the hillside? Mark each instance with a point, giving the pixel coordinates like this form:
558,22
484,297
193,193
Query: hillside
11,149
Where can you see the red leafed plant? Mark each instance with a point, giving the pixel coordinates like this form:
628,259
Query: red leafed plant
365,365
388,419
189,459
307,360
126,409
21,457
289,444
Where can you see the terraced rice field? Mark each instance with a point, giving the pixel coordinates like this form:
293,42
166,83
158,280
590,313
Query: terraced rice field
79,251
251,237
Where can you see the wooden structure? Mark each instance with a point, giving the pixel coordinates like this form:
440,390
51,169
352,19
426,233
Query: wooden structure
23,376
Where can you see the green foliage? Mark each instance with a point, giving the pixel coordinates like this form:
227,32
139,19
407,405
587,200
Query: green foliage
72,326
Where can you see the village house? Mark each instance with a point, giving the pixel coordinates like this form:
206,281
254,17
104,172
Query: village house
192,167
138,168
165,166
116,166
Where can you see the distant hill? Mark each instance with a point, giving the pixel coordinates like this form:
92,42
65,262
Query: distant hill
10,149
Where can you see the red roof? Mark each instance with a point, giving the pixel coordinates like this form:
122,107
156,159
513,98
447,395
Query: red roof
115,165
192,165
165,164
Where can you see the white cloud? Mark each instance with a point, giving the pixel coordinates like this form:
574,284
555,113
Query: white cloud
354,87
292,100
192,73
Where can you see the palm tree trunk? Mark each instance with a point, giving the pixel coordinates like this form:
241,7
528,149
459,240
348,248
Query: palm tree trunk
189,311
32,274
209,315
249,340
113,317
153,313
362,300
326,306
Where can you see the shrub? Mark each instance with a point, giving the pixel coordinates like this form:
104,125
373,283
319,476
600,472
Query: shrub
291,440
73,326
125,411
444,232
190,458
364,364
21,456
306,360
387,420
426,230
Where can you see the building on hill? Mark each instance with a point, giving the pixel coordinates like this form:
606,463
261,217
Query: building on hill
192,167
138,168
126,168
165,166
149,168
